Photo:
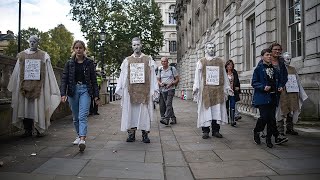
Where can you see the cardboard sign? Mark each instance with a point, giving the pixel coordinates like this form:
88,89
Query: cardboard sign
212,75
32,69
292,84
137,73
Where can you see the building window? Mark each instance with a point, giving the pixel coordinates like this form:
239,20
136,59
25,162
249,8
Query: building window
171,18
172,46
294,27
172,15
228,46
253,41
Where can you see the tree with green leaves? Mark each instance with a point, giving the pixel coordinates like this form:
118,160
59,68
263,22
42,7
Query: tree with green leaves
63,40
121,21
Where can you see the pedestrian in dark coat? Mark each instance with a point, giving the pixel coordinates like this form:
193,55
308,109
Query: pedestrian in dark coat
265,81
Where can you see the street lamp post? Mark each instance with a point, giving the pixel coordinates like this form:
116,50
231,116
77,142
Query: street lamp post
19,30
102,38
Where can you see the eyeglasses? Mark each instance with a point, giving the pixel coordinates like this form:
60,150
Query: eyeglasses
276,49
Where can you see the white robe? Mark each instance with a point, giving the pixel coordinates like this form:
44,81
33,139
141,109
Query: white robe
295,114
40,109
136,115
217,112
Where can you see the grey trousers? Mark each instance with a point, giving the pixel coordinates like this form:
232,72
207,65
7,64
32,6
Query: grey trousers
289,123
165,104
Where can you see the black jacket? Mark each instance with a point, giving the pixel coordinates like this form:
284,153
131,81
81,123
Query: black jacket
68,83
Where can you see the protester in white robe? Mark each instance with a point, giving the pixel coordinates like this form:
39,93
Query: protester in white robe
214,115
37,111
136,115
292,104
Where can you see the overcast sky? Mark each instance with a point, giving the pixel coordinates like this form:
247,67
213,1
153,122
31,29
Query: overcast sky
40,14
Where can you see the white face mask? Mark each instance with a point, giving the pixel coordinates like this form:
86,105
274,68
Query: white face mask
210,49
287,58
33,44
136,46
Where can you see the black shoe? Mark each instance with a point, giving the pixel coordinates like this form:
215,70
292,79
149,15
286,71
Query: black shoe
269,143
280,140
40,134
26,134
205,135
292,132
233,124
131,136
237,118
145,137
164,121
96,113
216,134
256,137
173,121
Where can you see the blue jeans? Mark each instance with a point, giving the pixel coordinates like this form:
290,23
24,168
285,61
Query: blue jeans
232,102
80,106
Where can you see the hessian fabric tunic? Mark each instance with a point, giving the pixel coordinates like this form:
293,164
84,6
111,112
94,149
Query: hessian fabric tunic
39,109
216,112
136,115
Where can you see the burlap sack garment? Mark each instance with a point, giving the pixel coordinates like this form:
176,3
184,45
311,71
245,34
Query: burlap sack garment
31,89
289,101
140,93
212,94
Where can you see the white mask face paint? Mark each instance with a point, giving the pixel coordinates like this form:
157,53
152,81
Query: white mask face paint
136,46
287,58
33,43
210,49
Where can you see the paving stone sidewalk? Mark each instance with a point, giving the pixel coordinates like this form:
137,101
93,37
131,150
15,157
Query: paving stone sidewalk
176,152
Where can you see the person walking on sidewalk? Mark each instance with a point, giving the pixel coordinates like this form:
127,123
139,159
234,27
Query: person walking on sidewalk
138,87
279,64
168,78
210,89
291,99
265,81
78,83
235,86
35,91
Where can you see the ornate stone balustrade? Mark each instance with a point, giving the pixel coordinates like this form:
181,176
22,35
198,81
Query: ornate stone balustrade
245,103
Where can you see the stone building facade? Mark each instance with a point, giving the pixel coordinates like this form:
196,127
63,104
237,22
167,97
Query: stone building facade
169,49
240,29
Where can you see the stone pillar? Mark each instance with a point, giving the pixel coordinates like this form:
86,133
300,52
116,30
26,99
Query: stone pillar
310,72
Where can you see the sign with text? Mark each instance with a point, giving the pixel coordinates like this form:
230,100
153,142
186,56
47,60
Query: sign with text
292,84
212,75
32,69
137,73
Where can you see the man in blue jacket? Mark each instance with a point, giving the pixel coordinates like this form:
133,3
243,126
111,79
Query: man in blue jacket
267,89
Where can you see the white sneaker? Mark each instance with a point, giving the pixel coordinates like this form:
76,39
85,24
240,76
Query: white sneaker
76,142
82,145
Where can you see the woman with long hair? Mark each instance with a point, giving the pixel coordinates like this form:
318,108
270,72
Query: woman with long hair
79,83
235,86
